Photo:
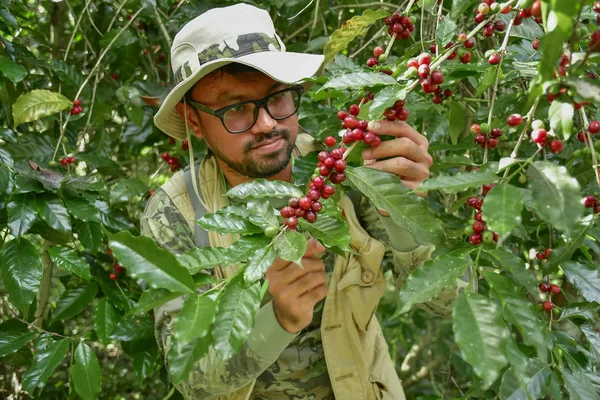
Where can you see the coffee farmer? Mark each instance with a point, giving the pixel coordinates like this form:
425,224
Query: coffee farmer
315,336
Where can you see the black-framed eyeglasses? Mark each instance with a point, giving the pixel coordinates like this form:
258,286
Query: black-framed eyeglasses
240,117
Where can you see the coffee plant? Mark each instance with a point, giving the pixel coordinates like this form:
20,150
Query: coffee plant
507,94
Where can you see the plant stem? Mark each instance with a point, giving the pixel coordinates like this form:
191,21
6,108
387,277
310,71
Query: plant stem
437,24
75,29
528,120
374,37
45,285
390,44
165,33
121,5
589,142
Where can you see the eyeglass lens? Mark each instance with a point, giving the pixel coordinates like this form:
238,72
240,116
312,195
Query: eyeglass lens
279,106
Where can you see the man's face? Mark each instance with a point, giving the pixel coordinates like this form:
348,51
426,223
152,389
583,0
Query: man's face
260,152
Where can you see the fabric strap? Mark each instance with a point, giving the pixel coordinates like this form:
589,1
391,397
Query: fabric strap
200,234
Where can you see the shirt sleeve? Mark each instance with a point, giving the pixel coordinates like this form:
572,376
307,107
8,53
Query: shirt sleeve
210,377
404,255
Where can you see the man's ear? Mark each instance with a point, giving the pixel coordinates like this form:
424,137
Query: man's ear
193,119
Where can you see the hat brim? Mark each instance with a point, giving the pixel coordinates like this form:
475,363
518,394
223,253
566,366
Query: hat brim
285,67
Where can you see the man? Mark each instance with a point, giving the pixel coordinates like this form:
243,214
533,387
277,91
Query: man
237,90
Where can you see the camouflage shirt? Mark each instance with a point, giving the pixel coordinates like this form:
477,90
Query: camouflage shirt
285,366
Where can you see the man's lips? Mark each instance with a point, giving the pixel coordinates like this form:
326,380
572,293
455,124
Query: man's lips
266,142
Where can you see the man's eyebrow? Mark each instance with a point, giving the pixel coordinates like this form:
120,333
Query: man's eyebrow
226,97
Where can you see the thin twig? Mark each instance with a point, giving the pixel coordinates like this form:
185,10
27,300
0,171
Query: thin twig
373,37
528,119
112,21
75,28
589,142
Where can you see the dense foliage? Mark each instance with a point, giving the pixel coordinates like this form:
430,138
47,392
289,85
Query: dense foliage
507,94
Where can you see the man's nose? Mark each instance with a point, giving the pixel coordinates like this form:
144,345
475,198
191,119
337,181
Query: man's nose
264,123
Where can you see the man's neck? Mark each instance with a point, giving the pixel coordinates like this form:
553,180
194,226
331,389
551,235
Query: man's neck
234,178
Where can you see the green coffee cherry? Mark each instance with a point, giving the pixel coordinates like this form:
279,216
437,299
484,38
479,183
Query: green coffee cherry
525,3
495,8
412,72
488,237
382,58
271,231
52,163
597,145
577,153
554,88
468,231
522,179
65,140
586,152
490,53
485,128
461,51
362,93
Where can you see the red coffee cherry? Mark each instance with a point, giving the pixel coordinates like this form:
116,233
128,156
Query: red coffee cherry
514,120
547,305
330,141
554,289
544,287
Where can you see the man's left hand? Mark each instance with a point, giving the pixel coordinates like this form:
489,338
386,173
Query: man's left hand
406,155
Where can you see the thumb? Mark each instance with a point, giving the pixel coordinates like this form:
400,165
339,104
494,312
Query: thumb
313,248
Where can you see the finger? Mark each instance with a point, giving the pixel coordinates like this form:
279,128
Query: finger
398,129
403,167
315,295
313,248
402,147
293,272
306,283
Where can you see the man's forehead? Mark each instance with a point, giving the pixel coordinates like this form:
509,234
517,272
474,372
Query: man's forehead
239,87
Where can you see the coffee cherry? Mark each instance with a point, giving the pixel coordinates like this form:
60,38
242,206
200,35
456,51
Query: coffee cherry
478,204
475,239
486,188
500,25
496,132
118,269
358,134
348,138
291,222
299,213
316,206
342,114
371,62
328,162
547,305
514,120
485,128
402,114
350,122
537,124
478,226
424,70
427,86
492,143
448,93
313,195
471,201
76,110
488,237
483,9
318,182
437,78
554,289
466,58
536,9
539,136
470,43
337,177
113,276
71,160
294,202
64,161
287,212
337,153
424,59
544,287
340,165
480,139
596,7
488,30
536,44
556,146
76,103
588,201
540,256
594,127
271,231
475,129
185,145
494,59
479,18
310,216
330,141
328,190
478,216
547,252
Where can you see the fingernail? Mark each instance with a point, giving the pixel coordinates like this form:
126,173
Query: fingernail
366,153
374,125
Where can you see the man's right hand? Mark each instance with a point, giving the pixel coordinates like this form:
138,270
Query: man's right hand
297,290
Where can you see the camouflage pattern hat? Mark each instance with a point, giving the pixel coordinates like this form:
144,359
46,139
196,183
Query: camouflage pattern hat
240,33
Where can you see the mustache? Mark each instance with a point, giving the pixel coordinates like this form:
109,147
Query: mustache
275,133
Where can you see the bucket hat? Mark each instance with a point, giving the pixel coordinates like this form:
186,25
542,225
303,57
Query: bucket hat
240,33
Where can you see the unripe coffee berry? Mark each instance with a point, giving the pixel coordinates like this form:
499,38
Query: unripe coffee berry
271,231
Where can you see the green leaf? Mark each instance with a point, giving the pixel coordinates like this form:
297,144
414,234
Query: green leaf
578,384
133,328
145,260
537,386
13,340
196,259
125,39
329,230
237,306
44,363
81,209
459,182
68,259
561,14
195,319
105,319
561,116
182,358
519,312
592,336
459,7
21,213
585,277
555,195
488,80
111,217
386,192
151,299
291,246
85,183
481,335
446,31
502,209
355,26
21,268
384,99
125,190
143,354
38,104
227,223
357,80
427,281
259,263
13,71
74,301
85,372
588,89
515,266
583,310
457,118
263,188
565,252
262,213
52,210
90,234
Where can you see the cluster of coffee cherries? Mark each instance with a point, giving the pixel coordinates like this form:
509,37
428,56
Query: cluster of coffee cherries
76,107
477,232
556,90
401,25
543,138
184,145
430,80
356,131
484,136
596,8
535,12
591,201
594,128
548,288
396,112
67,160
329,172
117,268
490,7
172,161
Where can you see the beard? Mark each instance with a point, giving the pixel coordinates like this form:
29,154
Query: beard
261,165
